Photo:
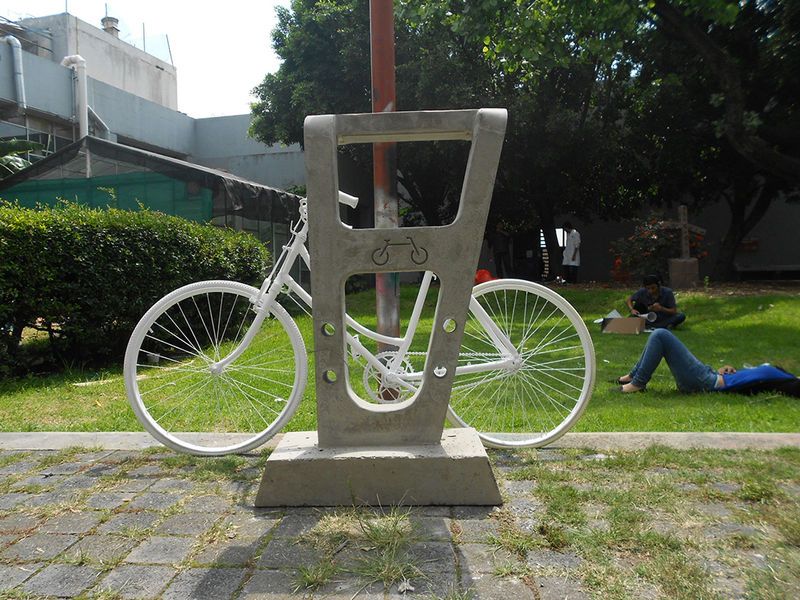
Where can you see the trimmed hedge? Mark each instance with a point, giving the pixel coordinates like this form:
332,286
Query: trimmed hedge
87,275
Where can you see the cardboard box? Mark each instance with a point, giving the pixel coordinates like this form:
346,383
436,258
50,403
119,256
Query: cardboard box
623,325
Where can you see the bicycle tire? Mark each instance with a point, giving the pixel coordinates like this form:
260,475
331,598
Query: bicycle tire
537,400
176,396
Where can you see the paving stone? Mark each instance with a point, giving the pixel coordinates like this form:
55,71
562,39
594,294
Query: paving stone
6,540
283,553
271,585
660,471
66,468
482,558
249,524
522,487
147,471
135,581
172,485
187,524
101,548
231,553
93,457
78,482
40,546
161,550
122,456
525,508
559,588
62,580
790,489
109,500
207,503
122,521
201,584
432,511
687,487
12,499
21,466
72,523
435,556
12,575
16,523
715,510
429,585
133,485
431,528
46,482
153,501
726,580
476,530
345,588
489,587
726,488
550,558
102,470
724,530
51,498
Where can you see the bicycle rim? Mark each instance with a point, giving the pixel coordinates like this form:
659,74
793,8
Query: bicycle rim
180,400
538,399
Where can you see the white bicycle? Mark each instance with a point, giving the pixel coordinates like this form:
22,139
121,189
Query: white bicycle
222,356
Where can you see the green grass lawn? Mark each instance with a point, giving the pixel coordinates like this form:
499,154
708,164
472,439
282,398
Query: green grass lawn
722,327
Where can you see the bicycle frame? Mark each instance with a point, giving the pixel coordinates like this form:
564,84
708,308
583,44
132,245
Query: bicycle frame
280,279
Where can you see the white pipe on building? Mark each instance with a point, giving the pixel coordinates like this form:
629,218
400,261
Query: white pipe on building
19,77
77,62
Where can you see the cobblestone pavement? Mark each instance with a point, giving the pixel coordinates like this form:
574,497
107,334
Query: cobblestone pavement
575,524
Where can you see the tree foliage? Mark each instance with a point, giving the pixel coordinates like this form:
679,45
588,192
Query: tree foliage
614,106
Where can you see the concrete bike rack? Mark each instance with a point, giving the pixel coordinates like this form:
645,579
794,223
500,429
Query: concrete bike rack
389,453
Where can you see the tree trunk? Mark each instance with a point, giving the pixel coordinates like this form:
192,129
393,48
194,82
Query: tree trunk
742,223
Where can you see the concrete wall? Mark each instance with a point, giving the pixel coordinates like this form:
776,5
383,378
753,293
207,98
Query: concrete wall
110,60
134,119
222,143
48,86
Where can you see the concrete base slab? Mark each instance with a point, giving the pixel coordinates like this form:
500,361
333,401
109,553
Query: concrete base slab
454,472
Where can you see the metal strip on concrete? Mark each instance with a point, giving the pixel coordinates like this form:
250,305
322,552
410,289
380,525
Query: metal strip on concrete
597,441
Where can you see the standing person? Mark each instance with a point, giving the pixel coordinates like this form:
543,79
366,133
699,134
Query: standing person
692,375
572,253
654,297
500,244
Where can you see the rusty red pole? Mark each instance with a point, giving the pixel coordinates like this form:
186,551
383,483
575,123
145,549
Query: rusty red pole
384,158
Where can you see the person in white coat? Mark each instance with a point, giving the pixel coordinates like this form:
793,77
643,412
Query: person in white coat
572,253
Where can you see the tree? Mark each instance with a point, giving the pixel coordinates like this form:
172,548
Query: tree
324,46
733,66
325,52
10,159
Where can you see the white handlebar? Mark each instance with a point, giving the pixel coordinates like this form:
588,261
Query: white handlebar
351,201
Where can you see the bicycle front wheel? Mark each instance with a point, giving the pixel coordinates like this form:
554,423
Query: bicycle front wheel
531,395
184,400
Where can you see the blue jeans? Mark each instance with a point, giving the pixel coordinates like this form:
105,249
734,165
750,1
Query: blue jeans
690,374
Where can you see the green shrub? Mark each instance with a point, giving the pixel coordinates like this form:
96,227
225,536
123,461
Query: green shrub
648,250
86,276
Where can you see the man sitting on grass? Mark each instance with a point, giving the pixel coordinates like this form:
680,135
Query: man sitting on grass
691,375
654,297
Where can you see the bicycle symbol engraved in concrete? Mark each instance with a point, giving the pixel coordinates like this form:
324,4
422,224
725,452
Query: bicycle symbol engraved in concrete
419,255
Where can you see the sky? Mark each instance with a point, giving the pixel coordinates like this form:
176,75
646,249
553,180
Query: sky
204,38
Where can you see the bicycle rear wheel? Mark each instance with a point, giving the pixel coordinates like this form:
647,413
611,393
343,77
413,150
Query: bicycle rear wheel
179,398
537,398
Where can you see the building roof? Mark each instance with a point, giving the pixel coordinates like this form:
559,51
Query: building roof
93,157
